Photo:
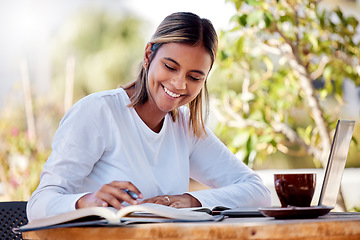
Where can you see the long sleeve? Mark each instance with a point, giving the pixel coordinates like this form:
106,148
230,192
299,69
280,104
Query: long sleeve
234,184
101,140
76,147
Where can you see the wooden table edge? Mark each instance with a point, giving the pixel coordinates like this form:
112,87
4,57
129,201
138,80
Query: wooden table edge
265,230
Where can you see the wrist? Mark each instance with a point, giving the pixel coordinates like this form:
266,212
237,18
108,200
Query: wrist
193,201
79,203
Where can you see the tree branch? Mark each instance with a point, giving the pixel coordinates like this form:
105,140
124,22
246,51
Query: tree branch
278,127
319,71
293,137
317,114
306,84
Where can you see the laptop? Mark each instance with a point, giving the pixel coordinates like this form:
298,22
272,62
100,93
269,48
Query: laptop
333,173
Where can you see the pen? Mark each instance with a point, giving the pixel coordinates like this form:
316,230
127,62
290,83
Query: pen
131,193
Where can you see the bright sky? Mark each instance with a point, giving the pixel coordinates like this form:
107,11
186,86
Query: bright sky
218,12
26,27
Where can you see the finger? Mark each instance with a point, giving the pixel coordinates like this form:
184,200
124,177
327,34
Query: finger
163,200
149,200
115,195
100,203
127,185
166,200
127,197
175,205
110,199
90,200
157,200
143,201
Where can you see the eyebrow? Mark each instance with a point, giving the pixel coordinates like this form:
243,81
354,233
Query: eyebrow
175,62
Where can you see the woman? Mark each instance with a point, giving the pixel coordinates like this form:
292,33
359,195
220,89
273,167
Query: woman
142,137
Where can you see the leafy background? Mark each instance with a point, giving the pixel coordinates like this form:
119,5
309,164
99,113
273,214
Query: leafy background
276,87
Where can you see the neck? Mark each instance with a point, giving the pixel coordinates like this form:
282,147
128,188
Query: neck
149,113
152,117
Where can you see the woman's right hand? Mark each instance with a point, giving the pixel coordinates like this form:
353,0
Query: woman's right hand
110,194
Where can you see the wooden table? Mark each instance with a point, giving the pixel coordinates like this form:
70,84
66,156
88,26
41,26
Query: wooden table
328,227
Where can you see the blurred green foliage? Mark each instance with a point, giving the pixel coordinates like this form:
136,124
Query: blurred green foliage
262,107
107,49
22,159
281,69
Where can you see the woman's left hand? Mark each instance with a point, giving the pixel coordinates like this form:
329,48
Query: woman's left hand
178,201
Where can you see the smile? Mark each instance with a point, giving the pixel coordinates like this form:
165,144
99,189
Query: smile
170,93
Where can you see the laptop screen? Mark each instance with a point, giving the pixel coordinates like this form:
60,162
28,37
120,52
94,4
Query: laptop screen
336,163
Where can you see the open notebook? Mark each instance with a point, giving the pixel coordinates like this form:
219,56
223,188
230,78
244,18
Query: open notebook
333,173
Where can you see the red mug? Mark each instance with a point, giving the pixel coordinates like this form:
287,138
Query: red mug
295,189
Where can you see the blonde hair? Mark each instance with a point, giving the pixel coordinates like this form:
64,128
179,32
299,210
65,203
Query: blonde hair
188,28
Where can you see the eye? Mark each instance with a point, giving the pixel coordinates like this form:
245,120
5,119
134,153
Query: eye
194,78
168,67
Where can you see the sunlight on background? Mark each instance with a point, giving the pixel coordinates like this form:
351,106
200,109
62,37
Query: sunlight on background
37,64
53,52
26,28
217,11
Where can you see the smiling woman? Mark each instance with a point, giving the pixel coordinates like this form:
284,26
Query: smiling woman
196,48
176,76
148,137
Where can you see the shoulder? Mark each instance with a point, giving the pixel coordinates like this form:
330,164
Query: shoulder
98,105
108,95
112,99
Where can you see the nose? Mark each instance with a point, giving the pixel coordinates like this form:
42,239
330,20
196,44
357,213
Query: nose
179,82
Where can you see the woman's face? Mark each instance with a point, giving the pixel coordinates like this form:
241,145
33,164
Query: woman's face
176,74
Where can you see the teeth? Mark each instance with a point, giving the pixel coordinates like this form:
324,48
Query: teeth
174,95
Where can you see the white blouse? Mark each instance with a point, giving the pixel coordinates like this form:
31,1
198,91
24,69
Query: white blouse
100,140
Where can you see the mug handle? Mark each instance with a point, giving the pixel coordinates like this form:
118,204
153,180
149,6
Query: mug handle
280,184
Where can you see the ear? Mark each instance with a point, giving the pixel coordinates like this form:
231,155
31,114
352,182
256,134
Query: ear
147,55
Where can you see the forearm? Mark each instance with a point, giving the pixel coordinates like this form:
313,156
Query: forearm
49,202
242,194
